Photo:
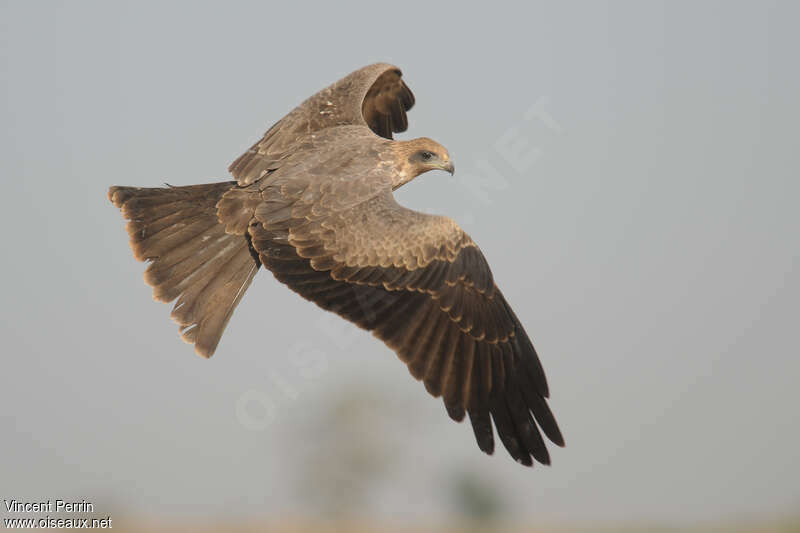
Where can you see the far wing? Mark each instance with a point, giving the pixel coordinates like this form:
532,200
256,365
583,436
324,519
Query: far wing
374,96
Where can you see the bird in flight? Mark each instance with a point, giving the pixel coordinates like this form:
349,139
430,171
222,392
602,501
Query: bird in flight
312,202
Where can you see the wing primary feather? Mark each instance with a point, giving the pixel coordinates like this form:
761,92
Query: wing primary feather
506,428
482,427
454,411
544,417
525,426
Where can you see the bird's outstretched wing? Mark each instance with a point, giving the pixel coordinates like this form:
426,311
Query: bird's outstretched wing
421,285
374,96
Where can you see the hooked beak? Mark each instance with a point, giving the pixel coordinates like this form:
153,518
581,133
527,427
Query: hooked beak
449,167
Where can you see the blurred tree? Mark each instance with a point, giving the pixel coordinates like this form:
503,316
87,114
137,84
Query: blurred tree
348,453
475,499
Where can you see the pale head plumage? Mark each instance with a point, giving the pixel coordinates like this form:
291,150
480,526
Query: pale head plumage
418,156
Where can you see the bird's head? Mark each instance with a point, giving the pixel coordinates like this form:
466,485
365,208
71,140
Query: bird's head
421,155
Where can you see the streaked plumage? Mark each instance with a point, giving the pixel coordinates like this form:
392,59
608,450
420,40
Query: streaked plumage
312,202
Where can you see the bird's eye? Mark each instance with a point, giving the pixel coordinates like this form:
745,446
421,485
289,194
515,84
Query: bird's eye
423,156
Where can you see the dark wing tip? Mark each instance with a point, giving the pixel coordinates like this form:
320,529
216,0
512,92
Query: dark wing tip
456,412
407,97
482,427
556,438
386,102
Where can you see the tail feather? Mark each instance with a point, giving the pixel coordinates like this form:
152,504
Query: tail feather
191,256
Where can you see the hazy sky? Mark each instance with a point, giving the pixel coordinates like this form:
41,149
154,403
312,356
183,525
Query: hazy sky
629,169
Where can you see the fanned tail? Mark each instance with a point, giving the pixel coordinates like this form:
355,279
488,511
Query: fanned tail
191,256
